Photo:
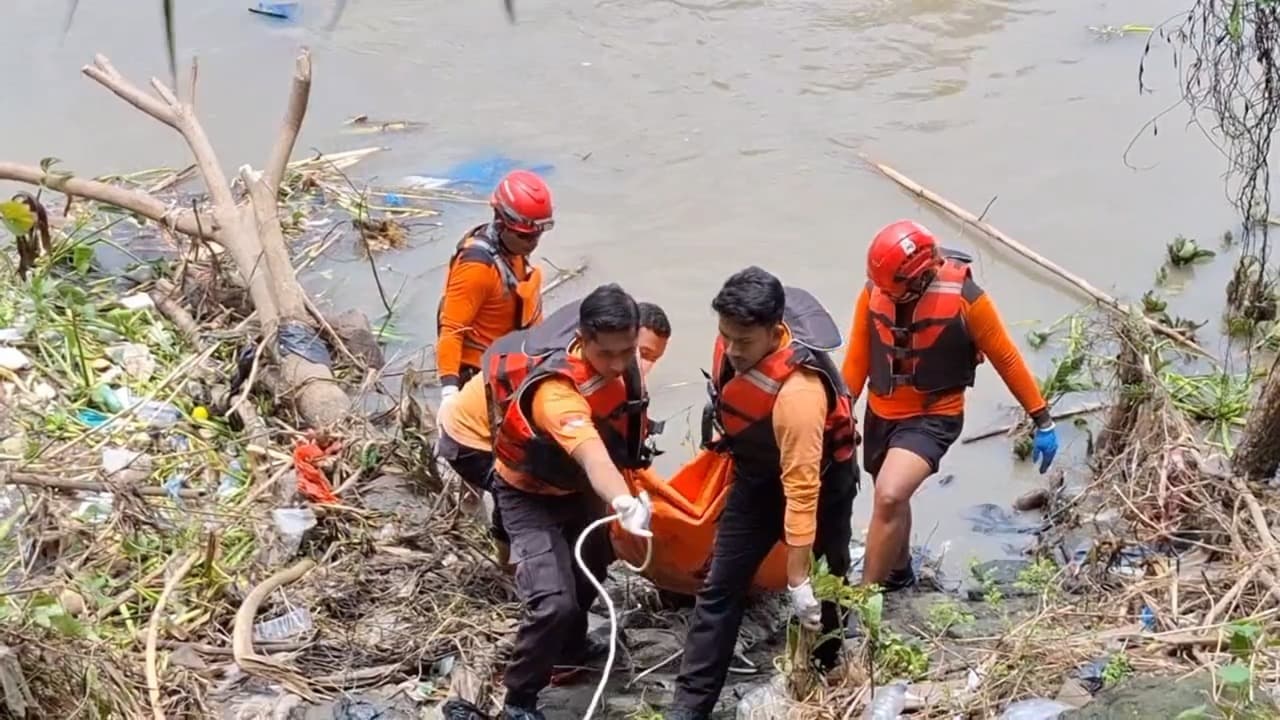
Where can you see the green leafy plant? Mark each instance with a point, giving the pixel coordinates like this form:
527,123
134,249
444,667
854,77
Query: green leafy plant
991,593
1219,399
1183,251
893,655
947,614
16,217
1037,577
1116,670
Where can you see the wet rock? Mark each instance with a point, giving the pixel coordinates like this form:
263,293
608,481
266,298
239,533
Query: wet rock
650,646
963,619
357,334
395,494
1147,697
1032,500
1073,693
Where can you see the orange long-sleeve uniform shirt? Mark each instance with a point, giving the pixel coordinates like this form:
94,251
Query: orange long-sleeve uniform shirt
989,335
799,419
478,308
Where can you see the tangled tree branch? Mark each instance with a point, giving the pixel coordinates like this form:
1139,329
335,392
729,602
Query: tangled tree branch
1226,54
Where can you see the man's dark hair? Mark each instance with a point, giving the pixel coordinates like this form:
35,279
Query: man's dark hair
653,317
608,309
751,297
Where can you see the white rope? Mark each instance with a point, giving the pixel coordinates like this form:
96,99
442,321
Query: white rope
608,602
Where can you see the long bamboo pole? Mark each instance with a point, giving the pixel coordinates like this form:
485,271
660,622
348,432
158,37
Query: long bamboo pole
1101,297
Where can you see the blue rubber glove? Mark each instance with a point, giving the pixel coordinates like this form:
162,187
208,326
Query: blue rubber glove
1044,447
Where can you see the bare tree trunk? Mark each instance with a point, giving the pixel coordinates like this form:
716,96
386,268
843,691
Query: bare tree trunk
251,232
1258,454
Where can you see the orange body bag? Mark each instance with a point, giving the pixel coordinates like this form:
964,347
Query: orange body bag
685,511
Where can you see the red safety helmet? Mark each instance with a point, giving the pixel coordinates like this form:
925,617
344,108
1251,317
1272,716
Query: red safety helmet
900,257
523,202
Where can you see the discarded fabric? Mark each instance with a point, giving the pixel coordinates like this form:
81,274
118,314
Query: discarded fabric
459,709
311,480
305,342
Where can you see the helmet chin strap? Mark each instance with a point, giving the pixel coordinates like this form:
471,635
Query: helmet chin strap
499,226
917,287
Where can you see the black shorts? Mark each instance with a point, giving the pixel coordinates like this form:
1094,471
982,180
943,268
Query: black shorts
929,436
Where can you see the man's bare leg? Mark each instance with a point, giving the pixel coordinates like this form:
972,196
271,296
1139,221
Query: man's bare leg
889,537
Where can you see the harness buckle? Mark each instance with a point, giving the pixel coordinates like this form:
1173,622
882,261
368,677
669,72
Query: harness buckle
631,407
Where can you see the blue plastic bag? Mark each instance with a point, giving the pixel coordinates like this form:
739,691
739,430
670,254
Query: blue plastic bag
479,175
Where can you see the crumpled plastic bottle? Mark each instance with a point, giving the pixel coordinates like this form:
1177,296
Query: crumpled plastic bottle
888,704
1035,709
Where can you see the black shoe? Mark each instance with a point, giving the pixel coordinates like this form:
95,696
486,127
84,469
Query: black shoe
515,712
900,579
590,649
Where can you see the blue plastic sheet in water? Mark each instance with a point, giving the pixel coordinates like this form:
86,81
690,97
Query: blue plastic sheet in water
282,9
479,175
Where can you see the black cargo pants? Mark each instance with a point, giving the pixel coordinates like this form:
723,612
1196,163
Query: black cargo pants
750,525
555,592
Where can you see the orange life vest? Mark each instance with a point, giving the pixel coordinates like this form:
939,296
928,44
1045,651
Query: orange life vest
513,367
741,406
481,244
934,352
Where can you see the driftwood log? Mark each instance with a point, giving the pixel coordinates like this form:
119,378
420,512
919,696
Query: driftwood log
250,231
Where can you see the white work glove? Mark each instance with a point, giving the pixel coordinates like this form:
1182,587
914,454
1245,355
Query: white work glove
633,514
447,393
807,608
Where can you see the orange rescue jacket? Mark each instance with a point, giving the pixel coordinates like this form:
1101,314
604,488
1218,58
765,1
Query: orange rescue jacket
516,363
522,295
933,352
741,406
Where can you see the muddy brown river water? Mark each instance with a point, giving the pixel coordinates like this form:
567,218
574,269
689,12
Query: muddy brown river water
691,138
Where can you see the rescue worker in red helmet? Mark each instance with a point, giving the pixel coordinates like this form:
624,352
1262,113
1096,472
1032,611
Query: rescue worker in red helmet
786,419
491,288
569,410
920,328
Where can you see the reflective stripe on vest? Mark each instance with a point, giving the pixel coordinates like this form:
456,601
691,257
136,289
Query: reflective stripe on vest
745,401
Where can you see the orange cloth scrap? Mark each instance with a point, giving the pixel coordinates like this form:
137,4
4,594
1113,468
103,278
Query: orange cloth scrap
476,309
311,480
989,334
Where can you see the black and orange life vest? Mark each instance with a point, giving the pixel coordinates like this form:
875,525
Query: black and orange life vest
932,351
741,407
514,366
481,245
